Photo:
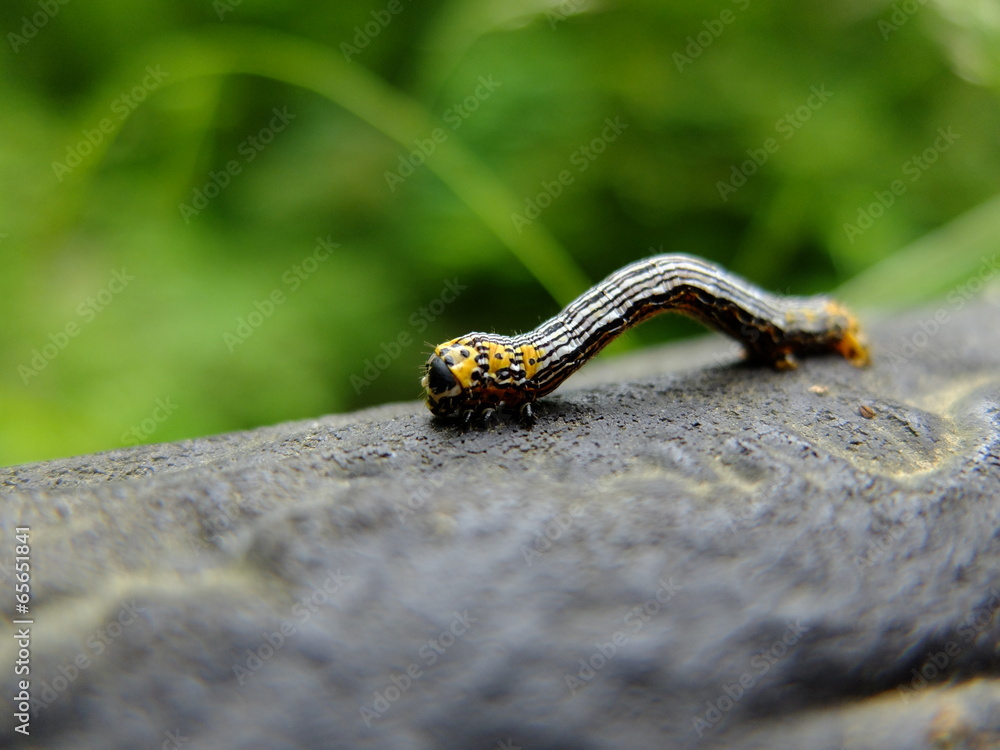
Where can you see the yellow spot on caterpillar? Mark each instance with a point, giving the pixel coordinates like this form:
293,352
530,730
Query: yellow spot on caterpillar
531,359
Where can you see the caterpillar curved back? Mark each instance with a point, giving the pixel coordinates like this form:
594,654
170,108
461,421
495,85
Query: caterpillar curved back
481,373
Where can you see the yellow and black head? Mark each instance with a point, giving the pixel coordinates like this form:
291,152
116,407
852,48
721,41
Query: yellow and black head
479,374
450,376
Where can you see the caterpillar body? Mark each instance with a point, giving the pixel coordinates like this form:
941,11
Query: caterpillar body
480,373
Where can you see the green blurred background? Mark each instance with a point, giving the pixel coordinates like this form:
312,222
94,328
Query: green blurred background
167,167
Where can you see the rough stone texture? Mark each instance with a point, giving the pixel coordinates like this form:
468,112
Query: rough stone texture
684,552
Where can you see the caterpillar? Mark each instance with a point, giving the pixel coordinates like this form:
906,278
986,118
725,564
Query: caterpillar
479,374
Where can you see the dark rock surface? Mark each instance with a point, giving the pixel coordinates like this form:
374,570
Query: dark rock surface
684,552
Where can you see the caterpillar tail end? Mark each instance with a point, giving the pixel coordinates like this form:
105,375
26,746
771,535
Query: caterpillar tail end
853,344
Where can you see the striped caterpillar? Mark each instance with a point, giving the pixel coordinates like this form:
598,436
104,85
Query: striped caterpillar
480,373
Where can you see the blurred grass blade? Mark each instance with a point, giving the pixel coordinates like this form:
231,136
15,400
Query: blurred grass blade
325,71
942,259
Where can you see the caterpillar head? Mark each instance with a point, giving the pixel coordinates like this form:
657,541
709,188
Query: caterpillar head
449,377
479,375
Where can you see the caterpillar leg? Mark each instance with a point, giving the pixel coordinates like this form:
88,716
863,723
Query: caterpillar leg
784,360
467,416
488,416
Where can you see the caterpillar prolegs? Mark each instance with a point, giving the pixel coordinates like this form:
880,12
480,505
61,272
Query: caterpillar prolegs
480,373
